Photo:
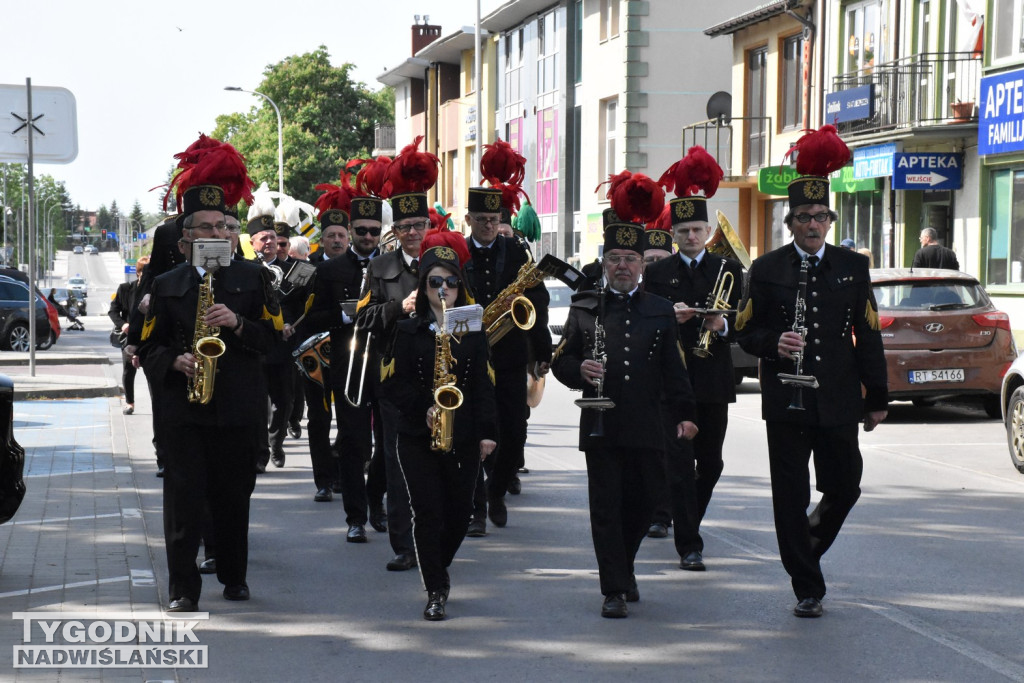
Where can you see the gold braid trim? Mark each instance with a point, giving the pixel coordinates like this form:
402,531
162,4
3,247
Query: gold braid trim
871,315
365,301
490,372
682,354
387,370
147,327
746,314
275,317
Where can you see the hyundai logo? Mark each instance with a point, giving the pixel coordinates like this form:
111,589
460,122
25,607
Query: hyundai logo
934,328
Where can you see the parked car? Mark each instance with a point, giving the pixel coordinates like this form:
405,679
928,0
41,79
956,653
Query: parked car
66,297
558,308
78,250
14,317
1012,396
79,286
91,249
943,338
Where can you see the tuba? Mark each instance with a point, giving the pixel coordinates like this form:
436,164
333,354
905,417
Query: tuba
725,242
207,347
447,396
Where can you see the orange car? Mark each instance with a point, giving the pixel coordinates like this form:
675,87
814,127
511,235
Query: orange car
943,338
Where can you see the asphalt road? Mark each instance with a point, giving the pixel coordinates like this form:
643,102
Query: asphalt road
922,580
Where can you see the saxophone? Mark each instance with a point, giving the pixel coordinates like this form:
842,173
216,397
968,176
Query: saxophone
447,396
207,347
510,307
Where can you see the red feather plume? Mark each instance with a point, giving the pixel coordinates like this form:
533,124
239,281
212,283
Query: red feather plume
697,171
510,193
442,237
335,196
438,220
663,221
821,152
219,165
412,170
501,163
635,197
372,176
191,153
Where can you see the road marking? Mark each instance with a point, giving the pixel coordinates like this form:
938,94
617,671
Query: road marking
66,519
61,474
143,577
63,586
986,658
742,545
903,454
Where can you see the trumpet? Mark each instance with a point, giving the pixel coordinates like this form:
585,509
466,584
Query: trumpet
717,304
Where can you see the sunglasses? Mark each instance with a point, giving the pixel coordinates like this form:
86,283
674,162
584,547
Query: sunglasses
364,231
435,281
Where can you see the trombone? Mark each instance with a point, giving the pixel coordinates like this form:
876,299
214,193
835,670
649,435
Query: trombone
353,347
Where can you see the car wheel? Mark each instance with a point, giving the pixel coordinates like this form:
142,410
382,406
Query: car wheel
42,346
992,407
17,337
1015,428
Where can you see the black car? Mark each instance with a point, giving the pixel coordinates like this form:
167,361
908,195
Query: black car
14,321
65,297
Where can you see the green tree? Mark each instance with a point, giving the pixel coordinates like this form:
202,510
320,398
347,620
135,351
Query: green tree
103,219
328,119
138,219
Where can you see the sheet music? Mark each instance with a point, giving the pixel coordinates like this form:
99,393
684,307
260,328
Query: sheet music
300,273
211,254
463,319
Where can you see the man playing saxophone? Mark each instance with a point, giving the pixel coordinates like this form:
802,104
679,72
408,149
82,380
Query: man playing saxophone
209,457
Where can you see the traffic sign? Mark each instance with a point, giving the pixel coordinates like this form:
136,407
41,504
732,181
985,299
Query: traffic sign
927,171
129,270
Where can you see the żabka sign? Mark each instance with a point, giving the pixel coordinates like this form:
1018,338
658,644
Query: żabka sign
1001,125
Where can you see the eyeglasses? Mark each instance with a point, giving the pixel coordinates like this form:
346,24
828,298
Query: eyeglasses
487,220
282,245
206,227
435,281
822,217
419,225
234,229
363,231
616,259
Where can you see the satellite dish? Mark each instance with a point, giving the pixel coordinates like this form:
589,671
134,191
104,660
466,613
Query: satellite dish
720,105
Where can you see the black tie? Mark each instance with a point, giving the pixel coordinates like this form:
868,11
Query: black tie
694,263
812,261
414,266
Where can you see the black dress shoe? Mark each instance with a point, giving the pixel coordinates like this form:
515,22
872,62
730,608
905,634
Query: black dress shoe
692,561
208,566
278,458
808,608
497,511
160,471
515,487
614,607
237,592
477,528
324,495
633,594
523,470
183,605
295,430
402,562
379,518
434,610
356,534
261,468
657,530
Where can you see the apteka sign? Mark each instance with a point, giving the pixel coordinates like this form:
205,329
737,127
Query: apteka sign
1001,125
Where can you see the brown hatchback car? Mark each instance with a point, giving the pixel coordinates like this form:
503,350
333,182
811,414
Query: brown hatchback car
943,338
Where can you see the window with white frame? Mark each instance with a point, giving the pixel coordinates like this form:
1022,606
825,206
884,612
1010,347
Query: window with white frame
607,154
514,69
862,35
609,19
1006,229
547,53
792,86
1007,29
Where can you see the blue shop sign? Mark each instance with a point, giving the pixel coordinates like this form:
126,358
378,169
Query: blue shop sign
853,104
874,161
928,171
1001,123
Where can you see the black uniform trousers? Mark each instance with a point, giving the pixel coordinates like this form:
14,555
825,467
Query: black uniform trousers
398,509
376,474
838,467
299,394
623,484
504,461
281,390
318,433
441,499
694,467
353,446
207,466
128,372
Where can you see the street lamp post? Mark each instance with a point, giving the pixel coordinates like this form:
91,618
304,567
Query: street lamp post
48,249
280,137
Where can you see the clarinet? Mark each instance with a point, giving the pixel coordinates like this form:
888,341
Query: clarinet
798,380
599,402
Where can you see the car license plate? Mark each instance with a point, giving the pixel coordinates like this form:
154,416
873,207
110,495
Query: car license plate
943,375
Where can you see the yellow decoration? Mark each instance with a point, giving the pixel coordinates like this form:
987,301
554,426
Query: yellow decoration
815,189
492,201
147,327
387,370
746,314
274,317
871,315
364,302
209,196
626,236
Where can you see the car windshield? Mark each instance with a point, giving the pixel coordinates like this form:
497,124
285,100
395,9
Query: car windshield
929,295
560,296
76,281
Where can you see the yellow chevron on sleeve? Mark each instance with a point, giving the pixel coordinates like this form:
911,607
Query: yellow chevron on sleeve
682,354
871,315
147,327
490,372
387,370
274,317
365,301
746,314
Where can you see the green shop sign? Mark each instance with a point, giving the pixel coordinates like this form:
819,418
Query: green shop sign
775,179
843,181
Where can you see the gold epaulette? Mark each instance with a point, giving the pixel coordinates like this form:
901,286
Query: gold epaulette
275,317
871,315
387,370
363,302
147,327
746,314
490,372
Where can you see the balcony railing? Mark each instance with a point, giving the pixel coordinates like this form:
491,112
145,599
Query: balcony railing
926,89
717,137
384,140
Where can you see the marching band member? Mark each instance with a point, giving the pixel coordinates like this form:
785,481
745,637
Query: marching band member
686,281
440,475
621,343
209,452
808,302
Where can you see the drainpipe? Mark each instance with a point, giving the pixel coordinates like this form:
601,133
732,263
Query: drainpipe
809,32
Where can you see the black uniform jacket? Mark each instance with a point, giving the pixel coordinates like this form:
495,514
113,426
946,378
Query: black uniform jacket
239,396
388,282
644,374
124,303
844,344
409,382
337,280
936,256
490,271
291,301
712,377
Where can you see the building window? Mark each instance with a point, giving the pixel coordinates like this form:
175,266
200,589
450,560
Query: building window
513,73
547,53
577,47
862,35
757,60
860,219
606,155
609,19
792,87
1007,30
1006,228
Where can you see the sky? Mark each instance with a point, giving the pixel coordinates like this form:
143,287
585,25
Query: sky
147,77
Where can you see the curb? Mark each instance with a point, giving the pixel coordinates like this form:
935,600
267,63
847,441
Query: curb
65,392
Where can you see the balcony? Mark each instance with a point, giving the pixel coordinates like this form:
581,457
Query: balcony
383,140
717,137
922,90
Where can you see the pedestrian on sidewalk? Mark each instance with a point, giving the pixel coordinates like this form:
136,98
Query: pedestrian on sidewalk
125,301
